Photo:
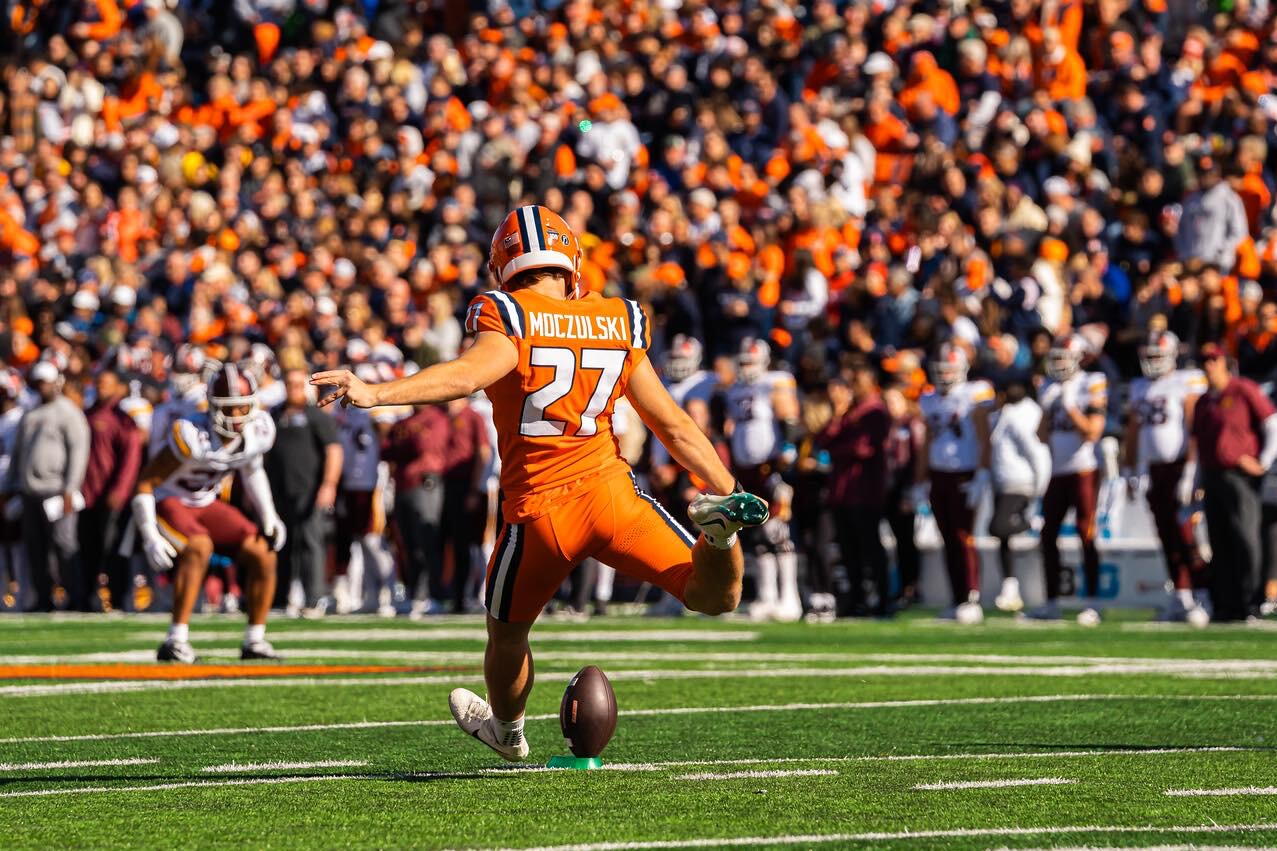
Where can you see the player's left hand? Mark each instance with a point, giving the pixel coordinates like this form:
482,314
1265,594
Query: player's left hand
274,532
349,389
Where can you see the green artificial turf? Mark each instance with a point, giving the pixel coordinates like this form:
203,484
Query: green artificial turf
1114,717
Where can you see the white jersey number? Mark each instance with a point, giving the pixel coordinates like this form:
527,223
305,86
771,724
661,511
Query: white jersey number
609,362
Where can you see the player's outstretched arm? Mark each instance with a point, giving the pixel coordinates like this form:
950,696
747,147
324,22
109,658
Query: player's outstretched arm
686,443
491,357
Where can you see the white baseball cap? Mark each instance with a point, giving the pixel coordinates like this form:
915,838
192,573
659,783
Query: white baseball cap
44,371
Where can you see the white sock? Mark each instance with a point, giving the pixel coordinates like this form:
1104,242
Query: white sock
1011,584
720,543
254,633
1186,600
766,578
508,733
179,632
788,564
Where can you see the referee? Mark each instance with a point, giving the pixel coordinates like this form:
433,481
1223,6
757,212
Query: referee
1235,430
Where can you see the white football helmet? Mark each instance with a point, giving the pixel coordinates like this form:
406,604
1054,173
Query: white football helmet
187,369
232,399
755,356
1159,354
1065,358
949,369
683,357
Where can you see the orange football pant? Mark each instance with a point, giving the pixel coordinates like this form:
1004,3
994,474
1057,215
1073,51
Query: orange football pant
613,521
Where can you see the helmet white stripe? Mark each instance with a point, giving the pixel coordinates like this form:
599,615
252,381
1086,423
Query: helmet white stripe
535,238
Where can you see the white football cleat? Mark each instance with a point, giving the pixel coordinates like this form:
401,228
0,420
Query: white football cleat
1009,599
173,650
1088,617
720,517
969,613
474,716
1197,617
788,611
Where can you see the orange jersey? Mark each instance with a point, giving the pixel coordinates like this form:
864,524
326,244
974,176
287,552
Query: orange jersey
553,413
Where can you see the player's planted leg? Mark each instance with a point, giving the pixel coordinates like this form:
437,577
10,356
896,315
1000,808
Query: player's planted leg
258,561
188,578
507,670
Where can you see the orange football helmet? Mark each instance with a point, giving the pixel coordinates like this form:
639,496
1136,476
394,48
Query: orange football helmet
534,237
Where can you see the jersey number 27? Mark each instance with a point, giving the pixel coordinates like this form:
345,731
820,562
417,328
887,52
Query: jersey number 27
610,363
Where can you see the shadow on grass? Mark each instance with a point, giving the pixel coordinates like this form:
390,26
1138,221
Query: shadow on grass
212,779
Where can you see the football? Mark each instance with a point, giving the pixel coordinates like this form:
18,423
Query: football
588,712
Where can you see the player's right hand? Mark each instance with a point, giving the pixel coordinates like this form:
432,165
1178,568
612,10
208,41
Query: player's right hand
349,389
159,552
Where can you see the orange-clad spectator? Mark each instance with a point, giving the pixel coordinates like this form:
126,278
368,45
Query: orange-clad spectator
137,97
102,21
1061,70
893,142
926,75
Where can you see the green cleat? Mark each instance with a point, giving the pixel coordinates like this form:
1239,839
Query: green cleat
719,518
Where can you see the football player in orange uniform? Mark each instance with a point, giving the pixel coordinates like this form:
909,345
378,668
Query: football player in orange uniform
554,361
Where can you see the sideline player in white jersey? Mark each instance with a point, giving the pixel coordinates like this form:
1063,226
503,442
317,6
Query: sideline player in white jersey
187,394
360,539
955,463
182,520
762,419
1073,404
1158,416
1021,468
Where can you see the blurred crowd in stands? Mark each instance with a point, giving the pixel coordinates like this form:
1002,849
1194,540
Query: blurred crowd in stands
311,184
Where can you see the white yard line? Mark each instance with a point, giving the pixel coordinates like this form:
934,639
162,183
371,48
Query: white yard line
757,775
74,763
233,767
993,784
662,766
1222,793
676,710
961,833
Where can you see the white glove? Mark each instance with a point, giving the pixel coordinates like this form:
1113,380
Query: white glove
920,493
159,552
274,531
976,489
1187,486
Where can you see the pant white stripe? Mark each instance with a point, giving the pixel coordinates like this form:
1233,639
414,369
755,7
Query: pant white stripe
503,568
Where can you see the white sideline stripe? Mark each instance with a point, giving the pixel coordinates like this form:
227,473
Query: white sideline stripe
993,784
1242,790
191,784
677,710
821,838
1187,666
231,767
741,775
123,686
73,763
455,634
